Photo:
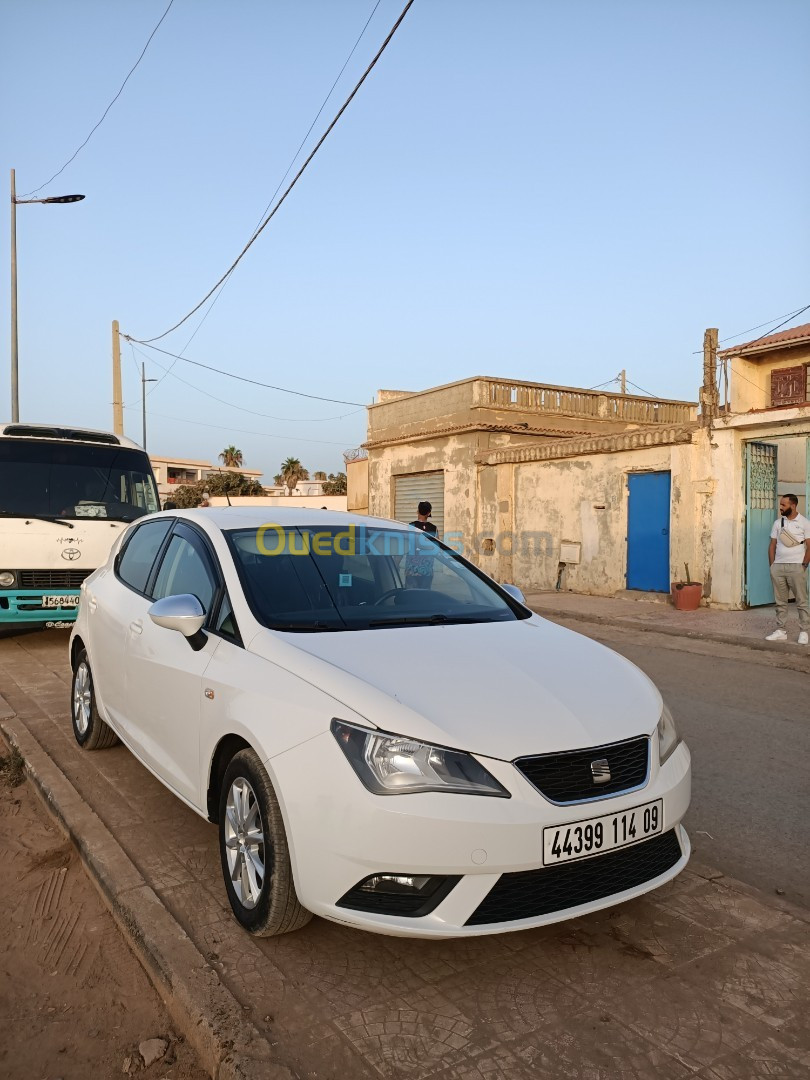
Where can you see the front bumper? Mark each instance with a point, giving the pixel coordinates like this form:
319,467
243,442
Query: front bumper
339,833
24,606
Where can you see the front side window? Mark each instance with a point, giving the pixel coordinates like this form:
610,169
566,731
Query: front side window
140,552
184,570
313,579
75,480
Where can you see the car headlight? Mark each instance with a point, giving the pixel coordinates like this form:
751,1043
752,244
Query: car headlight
394,765
7,579
668,737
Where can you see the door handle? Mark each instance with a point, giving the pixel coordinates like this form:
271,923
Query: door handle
136,626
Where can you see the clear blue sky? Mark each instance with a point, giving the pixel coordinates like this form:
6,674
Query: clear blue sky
539,190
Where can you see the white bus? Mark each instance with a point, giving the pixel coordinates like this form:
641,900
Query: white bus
65,496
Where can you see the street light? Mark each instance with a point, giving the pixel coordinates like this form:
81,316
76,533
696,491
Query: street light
15,392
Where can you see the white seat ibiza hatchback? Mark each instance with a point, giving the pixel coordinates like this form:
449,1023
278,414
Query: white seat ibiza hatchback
383,735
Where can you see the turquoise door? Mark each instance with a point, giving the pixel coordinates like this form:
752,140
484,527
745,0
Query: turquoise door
648,531
761,510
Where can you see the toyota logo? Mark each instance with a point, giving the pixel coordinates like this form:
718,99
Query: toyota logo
71,554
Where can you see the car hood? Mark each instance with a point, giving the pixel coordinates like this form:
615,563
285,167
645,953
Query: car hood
501,690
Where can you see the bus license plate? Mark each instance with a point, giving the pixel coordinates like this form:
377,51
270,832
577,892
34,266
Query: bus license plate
594,835
60,601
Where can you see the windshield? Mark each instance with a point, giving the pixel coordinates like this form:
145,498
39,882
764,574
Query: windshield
308,578
73,480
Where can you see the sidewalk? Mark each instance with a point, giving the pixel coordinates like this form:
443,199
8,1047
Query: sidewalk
746,628
704,979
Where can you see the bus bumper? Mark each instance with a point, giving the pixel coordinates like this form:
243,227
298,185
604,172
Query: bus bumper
32,607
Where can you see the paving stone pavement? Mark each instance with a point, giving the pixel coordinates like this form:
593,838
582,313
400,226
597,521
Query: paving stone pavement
703,978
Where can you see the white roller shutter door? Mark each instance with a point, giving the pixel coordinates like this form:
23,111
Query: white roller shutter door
409,491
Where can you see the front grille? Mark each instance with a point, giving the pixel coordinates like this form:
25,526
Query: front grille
52,579
567,777
531,893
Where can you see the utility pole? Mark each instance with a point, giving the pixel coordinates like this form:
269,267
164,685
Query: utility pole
15,389
708,393
623,379
144,381
118,397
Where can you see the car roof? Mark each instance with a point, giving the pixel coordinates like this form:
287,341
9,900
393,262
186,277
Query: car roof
246,517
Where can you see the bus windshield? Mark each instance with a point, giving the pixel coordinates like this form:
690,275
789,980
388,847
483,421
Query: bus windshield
75,481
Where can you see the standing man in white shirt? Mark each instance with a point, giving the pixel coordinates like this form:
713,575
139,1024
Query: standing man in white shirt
789,556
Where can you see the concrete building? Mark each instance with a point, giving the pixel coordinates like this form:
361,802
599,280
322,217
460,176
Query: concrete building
171,472
558,487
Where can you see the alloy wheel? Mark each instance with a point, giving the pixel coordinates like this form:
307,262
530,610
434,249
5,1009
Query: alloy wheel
82,698
244,842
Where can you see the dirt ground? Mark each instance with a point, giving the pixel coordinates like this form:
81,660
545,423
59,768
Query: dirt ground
74,1001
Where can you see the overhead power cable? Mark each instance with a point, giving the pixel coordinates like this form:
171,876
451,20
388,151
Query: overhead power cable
268,218
243,431
104,114
786,319
243,378
293,160
241,408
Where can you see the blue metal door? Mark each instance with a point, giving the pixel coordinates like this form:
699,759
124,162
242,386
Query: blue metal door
648,532
761,510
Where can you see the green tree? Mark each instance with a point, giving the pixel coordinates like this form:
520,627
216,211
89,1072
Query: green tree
336,484
231,457
320,475
230,483
291,472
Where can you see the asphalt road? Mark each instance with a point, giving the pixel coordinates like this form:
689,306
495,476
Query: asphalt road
747,724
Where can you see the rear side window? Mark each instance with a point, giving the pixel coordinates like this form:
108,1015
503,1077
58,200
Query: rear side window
138,556
184,570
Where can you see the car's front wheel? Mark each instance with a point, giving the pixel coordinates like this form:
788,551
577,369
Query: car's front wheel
254,852
91,732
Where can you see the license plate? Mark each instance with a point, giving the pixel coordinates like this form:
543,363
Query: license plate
60,601
580,839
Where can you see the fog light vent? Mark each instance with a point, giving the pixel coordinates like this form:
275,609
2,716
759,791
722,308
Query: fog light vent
406,895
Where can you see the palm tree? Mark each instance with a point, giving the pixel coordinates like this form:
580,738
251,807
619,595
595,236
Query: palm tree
320,475
231,457
291,472
278,480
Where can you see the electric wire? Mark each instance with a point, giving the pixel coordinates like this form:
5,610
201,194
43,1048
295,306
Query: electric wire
244,431
242,378
293,160
787,318
104,115
241,408
290,186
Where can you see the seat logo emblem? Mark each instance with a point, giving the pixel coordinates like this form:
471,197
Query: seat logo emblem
600,771
71,554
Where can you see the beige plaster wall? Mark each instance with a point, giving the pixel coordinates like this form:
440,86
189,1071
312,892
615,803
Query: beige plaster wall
584,501
751,376
357,486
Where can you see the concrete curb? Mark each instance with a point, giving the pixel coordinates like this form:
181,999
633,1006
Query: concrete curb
201,1006
796,657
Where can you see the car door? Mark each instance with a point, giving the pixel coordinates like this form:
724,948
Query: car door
164,673
114,599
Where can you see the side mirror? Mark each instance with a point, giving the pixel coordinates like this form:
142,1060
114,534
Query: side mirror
515,593
183,613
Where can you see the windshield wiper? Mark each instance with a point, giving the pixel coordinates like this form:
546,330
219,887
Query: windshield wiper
37,517
421,620
306,628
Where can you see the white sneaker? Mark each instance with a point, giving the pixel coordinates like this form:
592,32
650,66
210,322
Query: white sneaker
803,639
777,635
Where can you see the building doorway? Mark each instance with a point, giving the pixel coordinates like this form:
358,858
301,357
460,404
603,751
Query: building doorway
780,466
648,510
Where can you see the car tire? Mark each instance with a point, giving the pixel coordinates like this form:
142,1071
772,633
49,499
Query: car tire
254,851
92,733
